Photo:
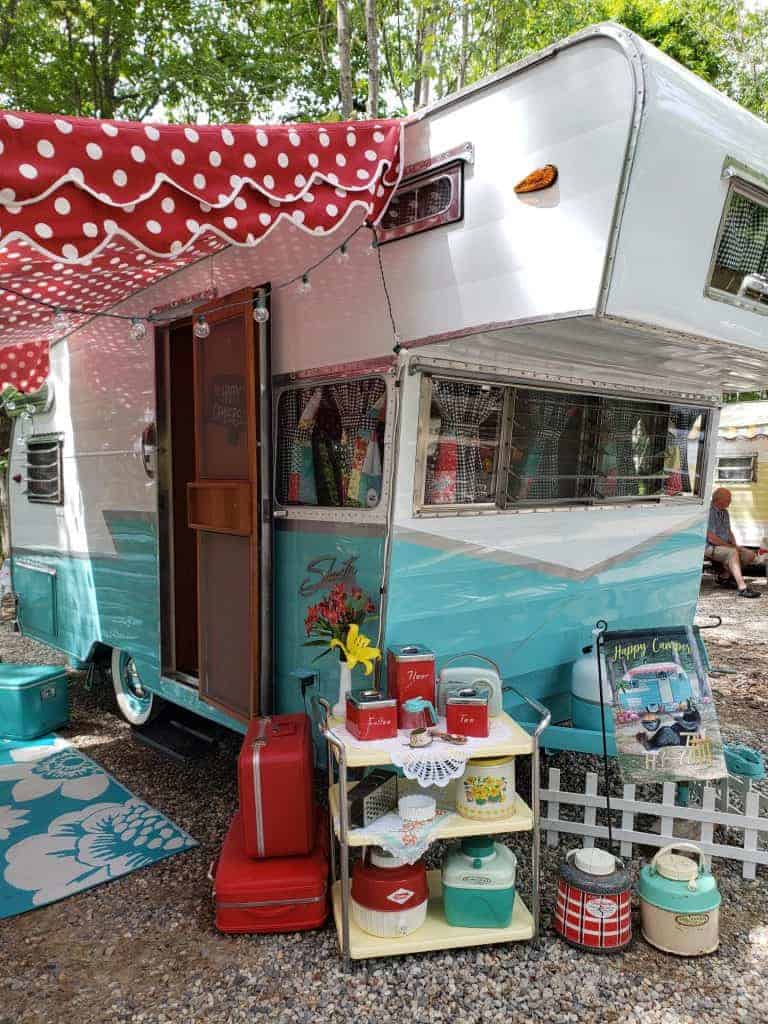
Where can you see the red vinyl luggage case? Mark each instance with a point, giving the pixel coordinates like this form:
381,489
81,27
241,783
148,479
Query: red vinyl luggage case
274,774
282,894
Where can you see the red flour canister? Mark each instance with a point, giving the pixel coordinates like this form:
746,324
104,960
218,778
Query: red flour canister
467,713
593,908
371,715
410,673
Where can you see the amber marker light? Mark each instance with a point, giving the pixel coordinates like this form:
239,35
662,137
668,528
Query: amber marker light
542,177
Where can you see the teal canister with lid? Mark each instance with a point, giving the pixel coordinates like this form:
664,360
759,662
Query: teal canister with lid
479,884
680,902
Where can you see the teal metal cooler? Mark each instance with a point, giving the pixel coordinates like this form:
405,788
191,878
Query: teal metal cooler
34,700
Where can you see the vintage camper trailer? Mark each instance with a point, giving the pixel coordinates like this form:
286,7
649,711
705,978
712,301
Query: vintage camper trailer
497,424
741,465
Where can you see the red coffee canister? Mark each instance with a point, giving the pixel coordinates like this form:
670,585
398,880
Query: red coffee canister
466,713
371,715
410,673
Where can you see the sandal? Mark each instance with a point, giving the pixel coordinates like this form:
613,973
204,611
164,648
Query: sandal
749,592
726,581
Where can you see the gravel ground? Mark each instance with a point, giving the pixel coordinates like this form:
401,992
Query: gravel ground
144,947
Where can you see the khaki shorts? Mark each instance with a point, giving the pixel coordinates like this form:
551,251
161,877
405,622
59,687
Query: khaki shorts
720,553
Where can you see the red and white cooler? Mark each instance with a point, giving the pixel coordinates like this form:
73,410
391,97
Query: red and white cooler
389,897
594,910
283,894
275,780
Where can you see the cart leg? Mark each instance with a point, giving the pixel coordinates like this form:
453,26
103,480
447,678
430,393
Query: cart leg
344,857
535,838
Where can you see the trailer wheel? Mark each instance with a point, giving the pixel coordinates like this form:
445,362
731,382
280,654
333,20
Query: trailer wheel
136,704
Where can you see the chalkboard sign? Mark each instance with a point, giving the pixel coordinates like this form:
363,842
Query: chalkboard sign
665,718
226,404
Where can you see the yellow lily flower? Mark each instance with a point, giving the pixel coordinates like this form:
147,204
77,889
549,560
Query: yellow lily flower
358,649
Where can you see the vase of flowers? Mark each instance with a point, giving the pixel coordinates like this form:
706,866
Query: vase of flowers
334,623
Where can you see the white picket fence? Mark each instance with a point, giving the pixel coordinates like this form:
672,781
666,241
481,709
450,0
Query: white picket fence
731,803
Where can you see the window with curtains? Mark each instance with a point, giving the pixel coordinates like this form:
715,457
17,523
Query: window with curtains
740,265
501,446
330,444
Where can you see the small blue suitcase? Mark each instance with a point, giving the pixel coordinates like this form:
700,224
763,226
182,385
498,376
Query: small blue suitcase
34,700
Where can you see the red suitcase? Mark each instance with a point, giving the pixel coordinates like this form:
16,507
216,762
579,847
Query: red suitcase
283,894
274,774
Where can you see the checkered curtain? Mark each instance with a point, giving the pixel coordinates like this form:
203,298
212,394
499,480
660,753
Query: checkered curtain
457,474
359,406
540,472
681,421
744,243
296,482
619,421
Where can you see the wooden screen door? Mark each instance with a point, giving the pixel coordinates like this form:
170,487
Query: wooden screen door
223,507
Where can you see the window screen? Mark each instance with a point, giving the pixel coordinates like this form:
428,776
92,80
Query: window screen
555,447
741,258
44,470
737,469
330,441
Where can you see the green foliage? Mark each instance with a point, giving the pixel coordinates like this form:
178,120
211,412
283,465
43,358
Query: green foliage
227,60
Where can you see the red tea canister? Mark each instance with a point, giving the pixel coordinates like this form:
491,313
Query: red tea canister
371,715
410,673
466,713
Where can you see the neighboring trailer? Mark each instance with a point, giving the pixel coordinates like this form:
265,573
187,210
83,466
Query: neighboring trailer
741,465
530,452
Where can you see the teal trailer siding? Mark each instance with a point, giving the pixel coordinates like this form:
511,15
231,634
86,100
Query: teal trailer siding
532,622
309,558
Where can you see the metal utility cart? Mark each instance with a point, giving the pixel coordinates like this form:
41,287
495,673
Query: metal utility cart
435,933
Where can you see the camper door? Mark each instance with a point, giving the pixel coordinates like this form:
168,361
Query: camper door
211,561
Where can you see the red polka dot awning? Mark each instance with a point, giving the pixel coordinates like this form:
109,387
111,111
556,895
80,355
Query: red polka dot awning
91,211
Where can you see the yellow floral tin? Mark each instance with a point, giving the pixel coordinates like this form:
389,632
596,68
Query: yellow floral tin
486,791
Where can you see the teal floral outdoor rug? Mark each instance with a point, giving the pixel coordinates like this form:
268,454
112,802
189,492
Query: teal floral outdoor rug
66,825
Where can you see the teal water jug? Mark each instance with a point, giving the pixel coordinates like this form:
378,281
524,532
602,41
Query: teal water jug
680,902
479,884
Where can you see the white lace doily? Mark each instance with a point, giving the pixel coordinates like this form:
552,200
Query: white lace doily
434,765
427,769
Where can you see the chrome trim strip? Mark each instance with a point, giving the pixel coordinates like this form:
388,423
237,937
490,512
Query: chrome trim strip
292,901
258,743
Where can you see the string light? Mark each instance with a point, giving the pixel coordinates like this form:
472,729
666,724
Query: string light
60,320
202,328
138,329
260,311
139,324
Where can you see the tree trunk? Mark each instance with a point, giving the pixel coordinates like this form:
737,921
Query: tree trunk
372,36
345,68
464,50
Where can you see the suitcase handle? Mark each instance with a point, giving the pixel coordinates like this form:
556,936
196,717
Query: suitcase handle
283,729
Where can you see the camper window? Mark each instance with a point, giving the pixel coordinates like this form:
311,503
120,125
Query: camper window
740,264
44,470
553,447
424,202
737,469
330,444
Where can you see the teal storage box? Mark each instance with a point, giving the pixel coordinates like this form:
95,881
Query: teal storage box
34,700
479,884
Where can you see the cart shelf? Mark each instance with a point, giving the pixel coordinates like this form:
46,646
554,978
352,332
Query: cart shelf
518,741
454,827
435,933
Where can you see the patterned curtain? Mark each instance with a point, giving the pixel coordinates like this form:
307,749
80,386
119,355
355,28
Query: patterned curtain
457,474
540,472
360,403
298,412
677,478
618,424
744,244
